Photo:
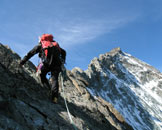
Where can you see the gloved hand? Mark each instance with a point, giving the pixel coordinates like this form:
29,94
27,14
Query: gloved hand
21,63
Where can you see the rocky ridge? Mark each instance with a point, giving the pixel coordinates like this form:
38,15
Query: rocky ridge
25,104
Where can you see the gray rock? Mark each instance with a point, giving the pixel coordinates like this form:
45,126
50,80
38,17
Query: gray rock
25,104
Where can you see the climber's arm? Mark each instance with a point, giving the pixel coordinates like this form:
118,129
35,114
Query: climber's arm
31,53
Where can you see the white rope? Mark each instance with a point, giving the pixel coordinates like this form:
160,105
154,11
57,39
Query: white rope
71,121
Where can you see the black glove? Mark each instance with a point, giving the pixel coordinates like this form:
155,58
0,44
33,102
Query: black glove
21,63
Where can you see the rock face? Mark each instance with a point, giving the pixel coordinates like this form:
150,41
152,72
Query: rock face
25,104
133,87
117,91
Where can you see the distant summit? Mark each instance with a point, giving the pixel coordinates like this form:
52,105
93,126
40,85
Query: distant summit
116,92
133,87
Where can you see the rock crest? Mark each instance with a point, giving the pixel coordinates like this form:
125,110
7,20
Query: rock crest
25,104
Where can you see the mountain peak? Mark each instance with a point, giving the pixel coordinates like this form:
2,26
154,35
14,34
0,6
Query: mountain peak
113,52
130,85
116,50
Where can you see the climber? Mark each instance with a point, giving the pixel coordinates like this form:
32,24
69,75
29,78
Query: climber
52,57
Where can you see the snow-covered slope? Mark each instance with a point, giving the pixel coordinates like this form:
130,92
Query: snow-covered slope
132,86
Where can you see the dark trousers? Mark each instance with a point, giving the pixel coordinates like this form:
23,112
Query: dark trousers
54,76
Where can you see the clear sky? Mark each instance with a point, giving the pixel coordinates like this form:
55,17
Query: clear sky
85,28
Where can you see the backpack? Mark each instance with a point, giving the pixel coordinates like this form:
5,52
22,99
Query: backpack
51,52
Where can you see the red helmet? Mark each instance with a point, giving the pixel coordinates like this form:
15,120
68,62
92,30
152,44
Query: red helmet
47,37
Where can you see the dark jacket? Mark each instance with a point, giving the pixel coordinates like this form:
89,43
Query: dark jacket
38,49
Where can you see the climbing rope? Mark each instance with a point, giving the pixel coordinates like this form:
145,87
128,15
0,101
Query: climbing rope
71,121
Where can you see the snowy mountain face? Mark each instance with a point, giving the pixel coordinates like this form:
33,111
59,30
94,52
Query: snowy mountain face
133,87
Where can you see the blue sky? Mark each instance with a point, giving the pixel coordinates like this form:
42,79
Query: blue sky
85,28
